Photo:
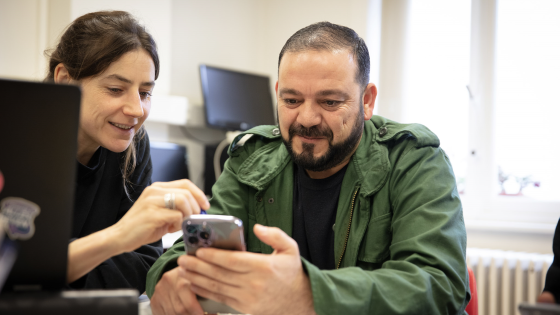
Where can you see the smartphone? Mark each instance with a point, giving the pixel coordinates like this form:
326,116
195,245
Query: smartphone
218,231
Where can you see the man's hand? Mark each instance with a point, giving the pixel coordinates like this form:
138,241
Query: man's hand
253,283
173,295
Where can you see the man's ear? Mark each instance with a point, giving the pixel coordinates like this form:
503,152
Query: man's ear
61,75
369,100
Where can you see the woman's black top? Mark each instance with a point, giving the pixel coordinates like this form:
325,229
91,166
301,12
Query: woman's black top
101,201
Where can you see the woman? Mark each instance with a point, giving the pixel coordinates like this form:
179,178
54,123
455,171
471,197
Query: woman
118,222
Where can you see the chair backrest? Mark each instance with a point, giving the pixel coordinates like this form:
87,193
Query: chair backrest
472,307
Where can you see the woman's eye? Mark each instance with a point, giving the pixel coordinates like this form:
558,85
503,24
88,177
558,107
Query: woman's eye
114,90
145,94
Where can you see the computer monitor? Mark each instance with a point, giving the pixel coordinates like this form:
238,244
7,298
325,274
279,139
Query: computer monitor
236,100
169,161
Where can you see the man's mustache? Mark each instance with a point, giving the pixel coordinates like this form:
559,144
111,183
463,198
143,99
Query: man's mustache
311,132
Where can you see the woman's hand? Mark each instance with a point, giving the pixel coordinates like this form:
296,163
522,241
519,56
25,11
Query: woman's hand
145,222
148,219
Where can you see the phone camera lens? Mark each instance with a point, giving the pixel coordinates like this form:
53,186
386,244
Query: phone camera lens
193,240
204,235
191,228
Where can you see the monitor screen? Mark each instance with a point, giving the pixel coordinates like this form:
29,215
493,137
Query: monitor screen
235,100
169,161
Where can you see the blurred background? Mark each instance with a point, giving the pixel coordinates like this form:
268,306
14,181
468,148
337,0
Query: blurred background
482,74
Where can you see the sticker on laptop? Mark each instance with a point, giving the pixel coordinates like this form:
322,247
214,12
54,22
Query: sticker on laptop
19,217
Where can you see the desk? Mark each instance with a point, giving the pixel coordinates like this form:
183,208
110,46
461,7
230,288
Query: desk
90,302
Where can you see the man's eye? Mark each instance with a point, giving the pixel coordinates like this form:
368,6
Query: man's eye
290,101
332,103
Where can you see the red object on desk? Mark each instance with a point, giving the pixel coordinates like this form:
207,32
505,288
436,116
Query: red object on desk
472,307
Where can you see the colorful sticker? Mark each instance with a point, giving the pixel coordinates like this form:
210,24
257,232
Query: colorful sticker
19,217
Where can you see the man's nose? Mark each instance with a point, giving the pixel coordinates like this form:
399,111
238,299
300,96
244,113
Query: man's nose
133,106
309,114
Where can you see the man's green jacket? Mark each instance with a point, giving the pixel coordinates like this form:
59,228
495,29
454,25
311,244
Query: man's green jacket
400,240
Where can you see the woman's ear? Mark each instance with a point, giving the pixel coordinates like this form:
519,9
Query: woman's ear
61,75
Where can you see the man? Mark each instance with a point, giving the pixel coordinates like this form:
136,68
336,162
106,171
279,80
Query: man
342,214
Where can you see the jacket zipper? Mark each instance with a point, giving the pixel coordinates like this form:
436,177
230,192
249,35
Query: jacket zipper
348,231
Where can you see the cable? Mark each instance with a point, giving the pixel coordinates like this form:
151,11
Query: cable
230,136
217,155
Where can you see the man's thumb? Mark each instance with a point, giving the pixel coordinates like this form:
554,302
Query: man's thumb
276,238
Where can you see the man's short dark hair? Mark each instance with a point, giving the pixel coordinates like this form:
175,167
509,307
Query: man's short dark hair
330,37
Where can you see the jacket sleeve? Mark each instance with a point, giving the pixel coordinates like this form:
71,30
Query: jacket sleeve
127,270
425,272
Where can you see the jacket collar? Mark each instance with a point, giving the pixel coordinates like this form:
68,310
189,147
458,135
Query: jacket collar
260,168
370,161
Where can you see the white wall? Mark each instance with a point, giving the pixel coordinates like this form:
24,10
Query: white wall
281,19
19,58
155,15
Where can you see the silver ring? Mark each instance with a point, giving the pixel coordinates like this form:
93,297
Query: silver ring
169,201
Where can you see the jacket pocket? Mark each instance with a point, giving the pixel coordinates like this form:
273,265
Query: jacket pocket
377,240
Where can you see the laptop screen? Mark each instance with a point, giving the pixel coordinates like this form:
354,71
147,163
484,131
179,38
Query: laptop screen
38,143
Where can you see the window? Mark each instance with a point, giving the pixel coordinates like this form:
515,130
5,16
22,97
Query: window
527,100
482,75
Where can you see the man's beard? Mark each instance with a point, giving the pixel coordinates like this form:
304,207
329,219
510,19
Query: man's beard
336,153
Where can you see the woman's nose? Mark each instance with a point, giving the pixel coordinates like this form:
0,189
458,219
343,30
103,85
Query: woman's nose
133,106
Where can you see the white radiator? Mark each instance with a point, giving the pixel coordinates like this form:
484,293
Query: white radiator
506,278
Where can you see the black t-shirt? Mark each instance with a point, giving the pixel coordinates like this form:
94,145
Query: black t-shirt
101,201
314,214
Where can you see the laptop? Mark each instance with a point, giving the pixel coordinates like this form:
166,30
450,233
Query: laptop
539,309
38,143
